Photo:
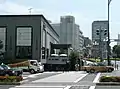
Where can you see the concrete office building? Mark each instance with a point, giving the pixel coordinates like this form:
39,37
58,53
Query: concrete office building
26,37
99,38
56,28
88,46
69,32
118,43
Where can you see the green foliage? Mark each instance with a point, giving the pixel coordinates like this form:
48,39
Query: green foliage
116,50
94,60
117,59
11,78
73,57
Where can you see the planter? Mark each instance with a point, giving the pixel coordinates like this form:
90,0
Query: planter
10,83
109,80
11,80
108,83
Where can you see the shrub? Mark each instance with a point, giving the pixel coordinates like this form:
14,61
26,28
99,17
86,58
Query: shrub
11,78
109,79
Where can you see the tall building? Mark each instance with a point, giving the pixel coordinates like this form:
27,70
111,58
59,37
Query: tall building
56,28
87,45
118,43
69,32
99,38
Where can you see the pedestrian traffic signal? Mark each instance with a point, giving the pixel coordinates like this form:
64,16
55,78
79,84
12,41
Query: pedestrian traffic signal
105,32
97,32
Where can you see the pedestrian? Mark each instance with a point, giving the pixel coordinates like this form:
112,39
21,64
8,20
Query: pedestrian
117,66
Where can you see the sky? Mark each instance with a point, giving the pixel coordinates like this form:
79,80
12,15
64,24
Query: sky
84,11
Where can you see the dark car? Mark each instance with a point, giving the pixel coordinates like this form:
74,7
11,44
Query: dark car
2,71
11,72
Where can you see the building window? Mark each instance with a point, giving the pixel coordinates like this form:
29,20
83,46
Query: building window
24,52
43,38
23,45
24,36
2,40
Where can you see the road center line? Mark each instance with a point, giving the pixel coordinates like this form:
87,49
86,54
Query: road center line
97,78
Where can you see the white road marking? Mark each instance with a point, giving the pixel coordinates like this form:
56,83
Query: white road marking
25,77
68,87
80,78
97,78
36,88
64,77
24,81
33,75
92,87
39,87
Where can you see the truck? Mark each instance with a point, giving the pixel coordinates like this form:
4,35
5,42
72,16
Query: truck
32,66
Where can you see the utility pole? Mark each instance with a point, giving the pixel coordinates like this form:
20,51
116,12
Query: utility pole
108,42
100,43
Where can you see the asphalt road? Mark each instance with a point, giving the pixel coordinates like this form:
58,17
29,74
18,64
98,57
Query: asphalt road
85,83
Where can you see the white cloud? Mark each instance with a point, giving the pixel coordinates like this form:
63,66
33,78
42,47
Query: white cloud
53,15
13,8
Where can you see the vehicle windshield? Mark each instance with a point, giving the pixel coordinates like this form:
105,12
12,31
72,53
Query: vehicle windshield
1,68
5,67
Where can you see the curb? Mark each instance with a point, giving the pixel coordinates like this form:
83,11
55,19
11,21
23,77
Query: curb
108,83
10,83
13,83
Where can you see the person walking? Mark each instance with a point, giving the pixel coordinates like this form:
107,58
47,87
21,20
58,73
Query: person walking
117,66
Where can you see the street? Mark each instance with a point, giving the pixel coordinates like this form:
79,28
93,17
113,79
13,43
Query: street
62,80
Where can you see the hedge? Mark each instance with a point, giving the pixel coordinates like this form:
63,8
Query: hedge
109,79
11,78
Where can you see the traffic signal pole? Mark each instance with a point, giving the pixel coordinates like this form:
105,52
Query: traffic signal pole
100,44
108,42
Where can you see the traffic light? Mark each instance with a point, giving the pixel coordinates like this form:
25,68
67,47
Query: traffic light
97,32
105,32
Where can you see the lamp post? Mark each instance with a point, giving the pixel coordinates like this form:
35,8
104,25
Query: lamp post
108,43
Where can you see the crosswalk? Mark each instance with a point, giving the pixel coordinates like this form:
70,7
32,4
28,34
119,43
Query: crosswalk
65,77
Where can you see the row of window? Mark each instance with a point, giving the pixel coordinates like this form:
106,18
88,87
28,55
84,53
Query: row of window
58,59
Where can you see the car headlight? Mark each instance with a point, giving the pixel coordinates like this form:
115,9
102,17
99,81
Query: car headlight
41,67
13,71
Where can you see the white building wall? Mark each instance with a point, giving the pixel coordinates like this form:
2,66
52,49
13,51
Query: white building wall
118,43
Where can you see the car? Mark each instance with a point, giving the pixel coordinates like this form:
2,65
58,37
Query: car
11,72
97,67
2,71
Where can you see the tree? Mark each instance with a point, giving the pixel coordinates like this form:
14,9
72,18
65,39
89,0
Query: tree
73,57
116,50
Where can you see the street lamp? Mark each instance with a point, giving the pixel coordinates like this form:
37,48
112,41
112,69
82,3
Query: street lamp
108,43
